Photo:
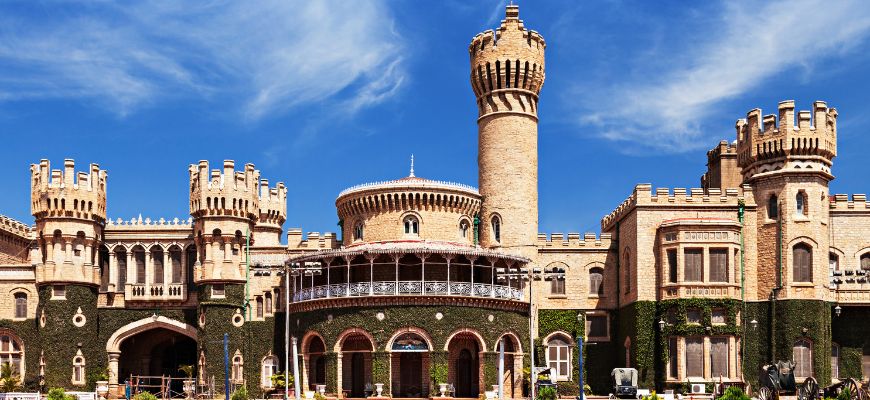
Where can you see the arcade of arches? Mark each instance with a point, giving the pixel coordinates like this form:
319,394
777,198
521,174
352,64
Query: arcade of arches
410,362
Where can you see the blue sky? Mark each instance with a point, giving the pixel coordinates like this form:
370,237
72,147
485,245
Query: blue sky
325,95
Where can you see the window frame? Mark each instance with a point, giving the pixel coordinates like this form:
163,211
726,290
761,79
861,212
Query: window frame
564,349
79,374
588,324
599,271
835,360
700,258
727,356
20,302
726,269
797,275
557,286
806,358
266,374
699,354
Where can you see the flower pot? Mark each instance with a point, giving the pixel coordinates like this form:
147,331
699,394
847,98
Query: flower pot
102,389
442,387
379,388
189,387
321,389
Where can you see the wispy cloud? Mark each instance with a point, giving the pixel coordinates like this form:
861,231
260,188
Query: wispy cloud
267,57
666,108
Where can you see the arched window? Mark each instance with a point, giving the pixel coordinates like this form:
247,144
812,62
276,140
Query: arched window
496,228
802,355
627,266
20,305
772,207
139,259
835,360
596,281
358,231
175,259
801,203
412,225
268,303
259,306
559,357
121,260
270,367
157,261
237,374
78,375
802,264
463,229
11,351
865,261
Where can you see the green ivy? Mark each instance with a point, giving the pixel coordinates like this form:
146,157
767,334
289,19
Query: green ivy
852,333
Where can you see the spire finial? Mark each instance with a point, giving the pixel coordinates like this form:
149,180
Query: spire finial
412,166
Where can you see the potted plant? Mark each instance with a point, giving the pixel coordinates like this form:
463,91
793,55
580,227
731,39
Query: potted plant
379,389
102,383
280,381
442,388
8,378
189,385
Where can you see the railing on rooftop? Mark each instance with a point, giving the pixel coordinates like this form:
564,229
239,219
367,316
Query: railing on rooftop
408,288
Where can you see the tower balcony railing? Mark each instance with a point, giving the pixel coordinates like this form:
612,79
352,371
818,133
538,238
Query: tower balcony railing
155,292
408,288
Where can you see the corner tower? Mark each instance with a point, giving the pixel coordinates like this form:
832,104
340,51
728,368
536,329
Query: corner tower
507,72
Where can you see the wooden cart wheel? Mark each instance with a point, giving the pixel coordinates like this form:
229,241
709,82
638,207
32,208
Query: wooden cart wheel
764,393
809,390
854,389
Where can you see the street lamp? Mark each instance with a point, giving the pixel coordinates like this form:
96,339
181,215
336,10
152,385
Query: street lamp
754,324
662,324
838,310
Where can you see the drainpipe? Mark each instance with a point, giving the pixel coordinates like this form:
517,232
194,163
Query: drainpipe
476,228
741,208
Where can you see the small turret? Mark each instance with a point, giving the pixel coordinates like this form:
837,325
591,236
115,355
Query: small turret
70,212
763,145
231,194
273,213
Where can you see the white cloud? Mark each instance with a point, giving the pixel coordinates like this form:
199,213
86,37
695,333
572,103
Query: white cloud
266,56
666,110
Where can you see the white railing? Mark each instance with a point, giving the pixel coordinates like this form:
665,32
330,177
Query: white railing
155,291
391,288
20,396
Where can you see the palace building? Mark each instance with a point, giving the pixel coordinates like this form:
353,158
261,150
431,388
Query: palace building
428,278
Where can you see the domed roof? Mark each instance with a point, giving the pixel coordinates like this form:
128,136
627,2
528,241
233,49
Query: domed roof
410,182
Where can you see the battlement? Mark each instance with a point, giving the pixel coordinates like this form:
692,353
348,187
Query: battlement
313,241
67,194
273,204
511,57
842,202
589,240
644,196
227,193
770,138
14,227
723,149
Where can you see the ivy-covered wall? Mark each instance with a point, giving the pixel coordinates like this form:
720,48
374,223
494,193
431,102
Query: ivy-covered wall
61,340
330,323
638,322
28,332
572,322
851,331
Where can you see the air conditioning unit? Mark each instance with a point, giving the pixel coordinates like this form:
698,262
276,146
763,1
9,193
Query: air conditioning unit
699,388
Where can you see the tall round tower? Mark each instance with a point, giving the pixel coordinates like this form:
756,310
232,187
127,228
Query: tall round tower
507,72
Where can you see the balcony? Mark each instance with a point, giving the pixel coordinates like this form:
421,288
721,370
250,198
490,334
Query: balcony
155,292
408,288
702,290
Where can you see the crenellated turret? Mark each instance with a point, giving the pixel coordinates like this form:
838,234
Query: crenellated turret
767,144
507,73
273,213
226,207
70,212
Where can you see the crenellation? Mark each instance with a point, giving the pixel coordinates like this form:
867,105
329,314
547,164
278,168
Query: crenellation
67,194
589,240
312,241
843,202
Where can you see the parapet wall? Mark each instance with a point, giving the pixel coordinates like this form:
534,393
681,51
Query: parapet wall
273,205
14,227
588,240
149,224
313,241
713,197
236,193
65,194
842,203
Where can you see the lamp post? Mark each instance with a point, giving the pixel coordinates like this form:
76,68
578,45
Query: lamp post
580,359
294,270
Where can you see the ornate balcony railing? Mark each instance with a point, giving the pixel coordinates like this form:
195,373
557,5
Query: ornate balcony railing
408,288
704,290
155,292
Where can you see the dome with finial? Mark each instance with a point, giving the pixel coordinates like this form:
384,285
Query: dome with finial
431,209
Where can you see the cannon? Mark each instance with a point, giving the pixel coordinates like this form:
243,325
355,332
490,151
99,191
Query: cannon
811,391
777,379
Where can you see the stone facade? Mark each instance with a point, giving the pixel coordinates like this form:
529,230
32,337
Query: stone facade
427,277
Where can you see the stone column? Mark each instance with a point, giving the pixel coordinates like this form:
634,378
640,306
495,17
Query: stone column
113,271
113,372
67,251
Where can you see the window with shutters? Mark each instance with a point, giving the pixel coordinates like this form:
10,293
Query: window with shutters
175,259
157,260
596,328
694,265
559,357
672,358
672,266
865,261
693,316
835,360
802,355
268,303
259,307
718,265
719,357
596,281
20,305
139,259
802,263
557,286
694,356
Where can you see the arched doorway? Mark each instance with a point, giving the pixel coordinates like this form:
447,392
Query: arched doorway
356,364
316,362
513,365
410,366
464,368
154,346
